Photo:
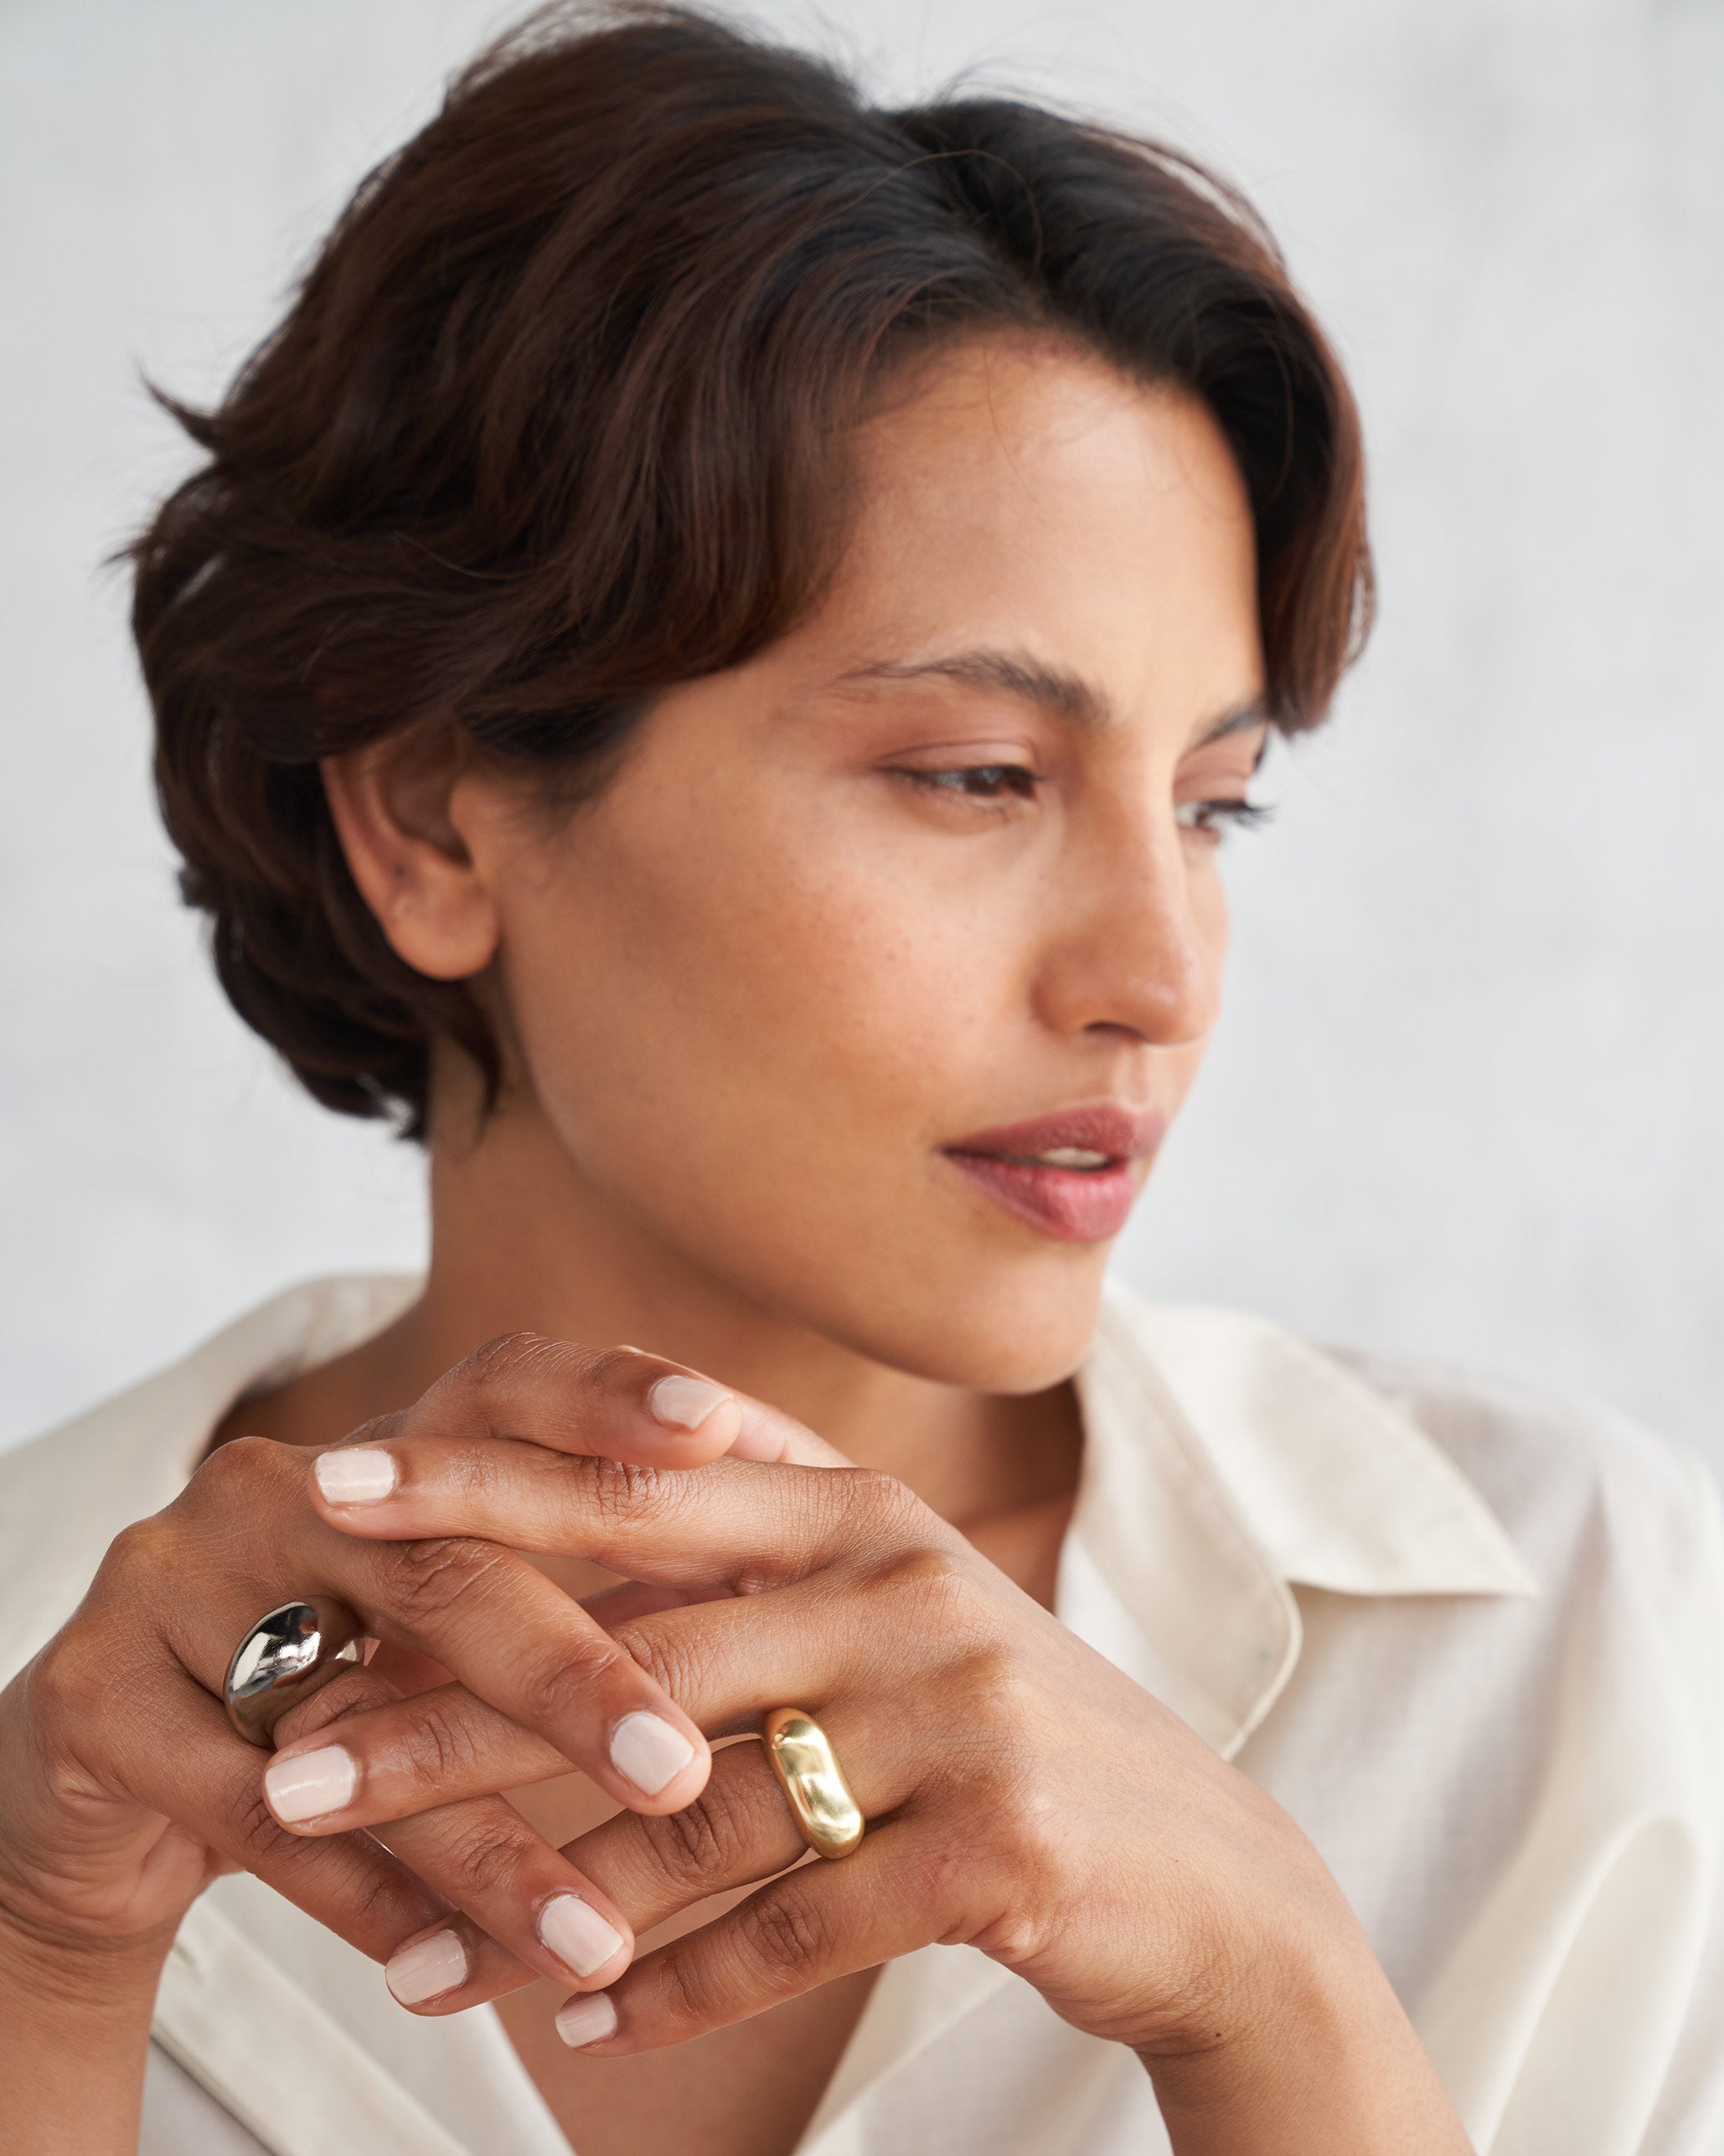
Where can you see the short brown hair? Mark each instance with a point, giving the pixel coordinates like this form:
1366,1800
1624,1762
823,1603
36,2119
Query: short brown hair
555,421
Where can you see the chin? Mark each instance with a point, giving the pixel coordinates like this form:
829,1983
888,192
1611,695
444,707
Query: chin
1000,1327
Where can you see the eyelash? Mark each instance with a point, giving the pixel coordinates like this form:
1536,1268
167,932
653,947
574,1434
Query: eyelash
1241,815
995,782
1005,778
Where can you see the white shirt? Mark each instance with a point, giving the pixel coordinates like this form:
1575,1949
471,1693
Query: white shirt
1471,1639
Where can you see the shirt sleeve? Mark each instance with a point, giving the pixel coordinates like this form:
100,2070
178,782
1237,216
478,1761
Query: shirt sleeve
1688,2119
1612,1955
180,2118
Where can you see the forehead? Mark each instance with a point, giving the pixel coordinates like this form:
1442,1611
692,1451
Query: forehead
1018,493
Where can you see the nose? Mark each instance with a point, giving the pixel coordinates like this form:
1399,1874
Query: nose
1136,939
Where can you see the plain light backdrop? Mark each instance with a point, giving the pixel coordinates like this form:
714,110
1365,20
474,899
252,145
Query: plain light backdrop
1467,1098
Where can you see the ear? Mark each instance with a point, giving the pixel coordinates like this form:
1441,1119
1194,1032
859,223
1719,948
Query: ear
392,805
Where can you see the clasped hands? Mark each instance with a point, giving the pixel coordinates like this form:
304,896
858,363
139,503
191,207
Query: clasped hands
1024,1796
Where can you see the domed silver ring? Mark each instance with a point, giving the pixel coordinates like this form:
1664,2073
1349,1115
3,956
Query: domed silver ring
284,1658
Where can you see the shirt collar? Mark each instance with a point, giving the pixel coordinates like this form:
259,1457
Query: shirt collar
1227,1461
1340,1486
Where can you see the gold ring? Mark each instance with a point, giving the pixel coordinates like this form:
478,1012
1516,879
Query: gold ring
828,1817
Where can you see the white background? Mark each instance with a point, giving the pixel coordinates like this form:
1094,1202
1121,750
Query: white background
1467,1099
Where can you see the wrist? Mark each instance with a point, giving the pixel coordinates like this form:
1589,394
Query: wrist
76,2012
1313,2056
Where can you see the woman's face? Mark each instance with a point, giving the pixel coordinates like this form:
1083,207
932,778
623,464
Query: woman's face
869,984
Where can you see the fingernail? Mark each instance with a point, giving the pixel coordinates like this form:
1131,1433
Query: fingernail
685,1402
429,1966
577,1935
360,1475
648,1750
310,1784
588,2020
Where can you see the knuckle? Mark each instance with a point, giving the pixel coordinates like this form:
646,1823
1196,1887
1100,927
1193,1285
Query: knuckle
702,1842
353,1692
480,1856
64,1684
557,1689
1011,1940
891,1509
1033,1836
940,1878
693,1997
421,1581
499,1371
997,1692
784,1931
251,1830
620,1495
670,1659
390,1903
139,1554
502,1355
933,1579
434,1746
1001,1719
605,1364
236,1473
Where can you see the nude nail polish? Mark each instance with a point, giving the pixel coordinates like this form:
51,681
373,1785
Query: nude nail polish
577,1935
361,1474
685,1402
426,1967
646,1749
310,1784
588,2020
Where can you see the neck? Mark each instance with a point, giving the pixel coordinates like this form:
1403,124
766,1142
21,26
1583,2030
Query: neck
521,1242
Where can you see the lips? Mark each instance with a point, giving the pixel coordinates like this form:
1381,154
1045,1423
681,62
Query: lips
1081,1199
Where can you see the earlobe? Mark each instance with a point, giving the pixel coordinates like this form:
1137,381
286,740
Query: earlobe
390,804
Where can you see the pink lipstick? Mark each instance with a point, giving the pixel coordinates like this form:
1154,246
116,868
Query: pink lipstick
1068,1173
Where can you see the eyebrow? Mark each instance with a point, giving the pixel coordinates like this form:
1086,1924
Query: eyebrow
1065,696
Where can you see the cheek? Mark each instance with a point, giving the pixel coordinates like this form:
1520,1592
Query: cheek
750,1034
755,993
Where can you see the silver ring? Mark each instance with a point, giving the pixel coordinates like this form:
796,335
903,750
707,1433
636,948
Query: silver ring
284,1658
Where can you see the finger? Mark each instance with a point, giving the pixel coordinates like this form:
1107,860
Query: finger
614,1401
377,1758
173,1751
737,1524
531,1911
444,1742
637,1598
727,1661
538,1916
738,1832
482,1611
764,1434
806,1928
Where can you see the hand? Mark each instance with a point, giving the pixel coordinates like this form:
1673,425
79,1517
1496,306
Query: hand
1026,1797
123,1790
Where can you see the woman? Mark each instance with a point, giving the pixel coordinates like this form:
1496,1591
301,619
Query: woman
705,671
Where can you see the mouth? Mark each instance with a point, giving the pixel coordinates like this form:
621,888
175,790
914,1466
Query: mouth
1069,1173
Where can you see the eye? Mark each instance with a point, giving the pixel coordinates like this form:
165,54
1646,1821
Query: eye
1213,818
977,781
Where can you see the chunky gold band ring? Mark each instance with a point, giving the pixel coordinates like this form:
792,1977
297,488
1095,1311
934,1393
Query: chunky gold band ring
828,1817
